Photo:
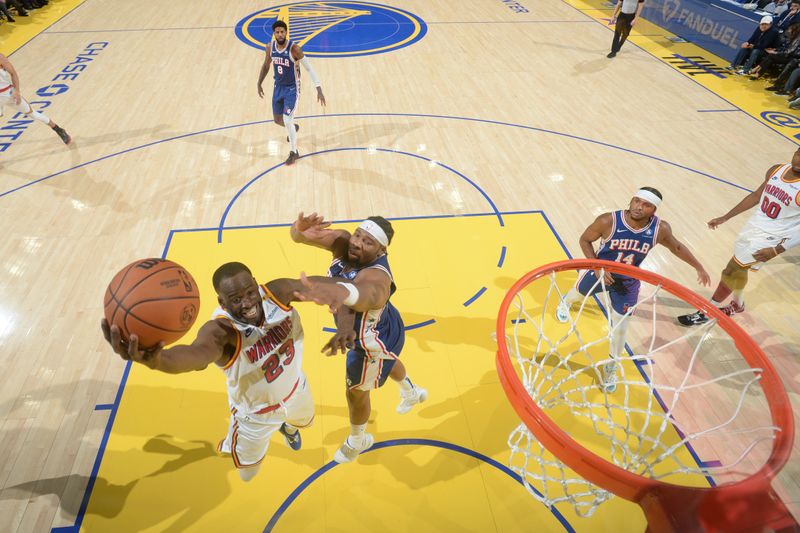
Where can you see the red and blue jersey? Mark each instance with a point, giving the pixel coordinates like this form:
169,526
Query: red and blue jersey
380,333
286,71
628,245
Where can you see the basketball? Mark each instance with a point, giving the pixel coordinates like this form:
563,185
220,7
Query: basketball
156,299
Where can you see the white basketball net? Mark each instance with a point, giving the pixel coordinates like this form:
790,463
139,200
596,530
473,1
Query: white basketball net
562,369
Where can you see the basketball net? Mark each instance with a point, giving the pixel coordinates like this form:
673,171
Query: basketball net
564,369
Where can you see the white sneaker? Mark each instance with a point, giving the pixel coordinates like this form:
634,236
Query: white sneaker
610,377
347,453
410,399
562,311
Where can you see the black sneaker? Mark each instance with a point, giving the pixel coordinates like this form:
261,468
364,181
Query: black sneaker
296,128
611,54
773,88
695,319
63,134
293,156
293,441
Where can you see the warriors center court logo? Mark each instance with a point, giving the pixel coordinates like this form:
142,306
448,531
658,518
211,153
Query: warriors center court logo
335,29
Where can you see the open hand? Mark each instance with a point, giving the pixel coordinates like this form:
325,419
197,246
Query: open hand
129,350
713,223
703,278
765,254
341,342
331,294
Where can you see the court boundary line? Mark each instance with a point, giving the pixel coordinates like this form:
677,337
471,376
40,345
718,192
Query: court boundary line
413,115
673,69
114,409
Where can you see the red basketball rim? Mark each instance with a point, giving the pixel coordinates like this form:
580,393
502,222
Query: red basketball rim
670,498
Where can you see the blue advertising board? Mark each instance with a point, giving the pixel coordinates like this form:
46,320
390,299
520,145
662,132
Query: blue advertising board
715,25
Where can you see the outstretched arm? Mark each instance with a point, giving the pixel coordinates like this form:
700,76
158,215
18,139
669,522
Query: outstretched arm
748,202
683,253
208,347
313,230
370,290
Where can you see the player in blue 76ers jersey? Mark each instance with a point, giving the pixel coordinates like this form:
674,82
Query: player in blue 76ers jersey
285,55
359,290
625,237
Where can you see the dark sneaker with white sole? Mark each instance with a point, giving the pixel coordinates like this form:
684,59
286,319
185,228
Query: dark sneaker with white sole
694,319
293,440
63,134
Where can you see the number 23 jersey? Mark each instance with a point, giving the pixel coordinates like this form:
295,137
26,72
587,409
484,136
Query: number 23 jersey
266,367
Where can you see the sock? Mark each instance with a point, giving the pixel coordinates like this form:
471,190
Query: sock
356,437
290,429
618,334
288,121
406,385
572,296
41,117
722,292
738,296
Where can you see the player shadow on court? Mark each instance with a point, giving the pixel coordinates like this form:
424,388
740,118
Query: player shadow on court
387,135
452,420
109,500
590,66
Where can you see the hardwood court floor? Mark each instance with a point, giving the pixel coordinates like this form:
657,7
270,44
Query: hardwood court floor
490,110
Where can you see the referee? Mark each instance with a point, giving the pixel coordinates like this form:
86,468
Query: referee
625,15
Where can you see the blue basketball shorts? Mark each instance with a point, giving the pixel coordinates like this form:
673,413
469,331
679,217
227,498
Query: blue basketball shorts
284,99
624,293
365,372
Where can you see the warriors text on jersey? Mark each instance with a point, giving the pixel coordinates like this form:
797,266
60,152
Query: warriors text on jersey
628,245
266,367
286,70
379,332
779,211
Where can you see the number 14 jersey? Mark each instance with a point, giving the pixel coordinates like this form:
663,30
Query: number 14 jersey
266,368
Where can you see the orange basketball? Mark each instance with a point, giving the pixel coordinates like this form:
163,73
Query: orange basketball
156,299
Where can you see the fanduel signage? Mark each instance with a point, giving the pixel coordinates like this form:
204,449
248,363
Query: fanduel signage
719,27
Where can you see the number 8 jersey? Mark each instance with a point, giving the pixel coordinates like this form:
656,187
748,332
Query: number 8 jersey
266,368
779,211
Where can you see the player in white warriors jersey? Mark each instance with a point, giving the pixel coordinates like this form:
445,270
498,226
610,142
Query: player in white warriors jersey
773,228
11,97
255,337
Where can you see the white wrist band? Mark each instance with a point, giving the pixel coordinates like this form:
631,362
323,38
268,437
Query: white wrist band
353,296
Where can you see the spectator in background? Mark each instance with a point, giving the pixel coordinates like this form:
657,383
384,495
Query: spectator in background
765,36
625,16
774,59
789,17
776,7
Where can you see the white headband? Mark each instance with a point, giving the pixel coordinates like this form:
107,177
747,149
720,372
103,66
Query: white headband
375,230
647,196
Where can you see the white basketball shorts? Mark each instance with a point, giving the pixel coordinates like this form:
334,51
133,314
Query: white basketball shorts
248,434
750,240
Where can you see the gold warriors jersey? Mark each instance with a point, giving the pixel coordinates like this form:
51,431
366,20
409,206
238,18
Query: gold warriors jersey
266,368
